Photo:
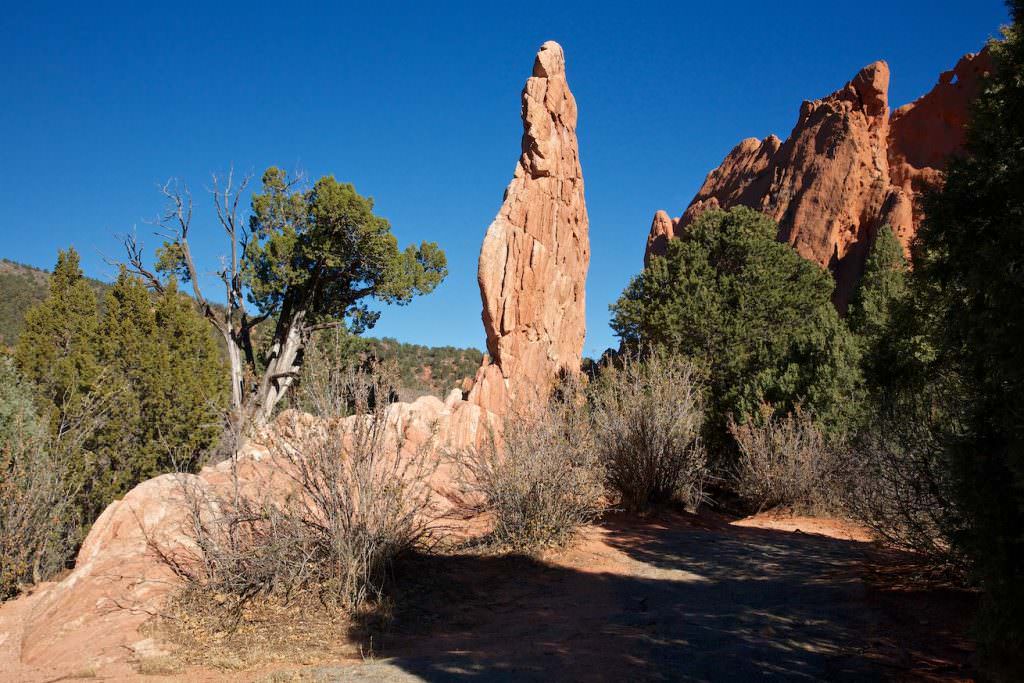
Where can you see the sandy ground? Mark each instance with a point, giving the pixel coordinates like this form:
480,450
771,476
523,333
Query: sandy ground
675,598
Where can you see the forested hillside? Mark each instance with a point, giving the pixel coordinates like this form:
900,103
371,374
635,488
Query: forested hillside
21,287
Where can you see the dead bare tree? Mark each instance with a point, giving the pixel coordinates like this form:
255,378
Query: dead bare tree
232,321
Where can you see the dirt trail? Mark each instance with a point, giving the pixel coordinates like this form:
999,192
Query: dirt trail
681,598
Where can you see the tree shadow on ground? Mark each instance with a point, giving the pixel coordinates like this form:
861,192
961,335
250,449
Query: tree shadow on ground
683,601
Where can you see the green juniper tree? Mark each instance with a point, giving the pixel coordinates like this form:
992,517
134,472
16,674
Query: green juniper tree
188,392
306,260
56,352
160,352
752,313
875,308
57,356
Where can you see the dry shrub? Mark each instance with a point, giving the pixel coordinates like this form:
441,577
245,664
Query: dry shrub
341,503
647,416
39,480
785,461
899,482
540,478
159,665
33,505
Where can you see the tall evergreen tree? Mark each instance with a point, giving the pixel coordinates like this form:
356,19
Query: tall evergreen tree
188,394
57,355
969,269
883,289
162,353
56,351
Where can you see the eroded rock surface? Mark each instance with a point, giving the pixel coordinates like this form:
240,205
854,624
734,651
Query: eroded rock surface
535,255
846,169
92,617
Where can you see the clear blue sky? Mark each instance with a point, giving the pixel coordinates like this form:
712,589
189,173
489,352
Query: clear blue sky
418,106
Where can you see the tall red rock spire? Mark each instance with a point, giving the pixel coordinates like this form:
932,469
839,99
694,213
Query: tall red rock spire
535,255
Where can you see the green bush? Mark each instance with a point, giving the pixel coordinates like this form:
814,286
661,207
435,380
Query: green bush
753,316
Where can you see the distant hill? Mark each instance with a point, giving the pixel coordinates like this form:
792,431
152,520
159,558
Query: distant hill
427,369
423,369
21,287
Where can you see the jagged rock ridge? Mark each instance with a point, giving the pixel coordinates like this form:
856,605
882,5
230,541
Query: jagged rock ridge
847,168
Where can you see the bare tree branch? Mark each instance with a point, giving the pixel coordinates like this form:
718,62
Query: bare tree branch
135,264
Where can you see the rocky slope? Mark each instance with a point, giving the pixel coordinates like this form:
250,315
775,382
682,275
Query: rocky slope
847,168
535,255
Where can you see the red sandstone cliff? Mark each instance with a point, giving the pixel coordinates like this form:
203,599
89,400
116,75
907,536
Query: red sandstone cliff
847,168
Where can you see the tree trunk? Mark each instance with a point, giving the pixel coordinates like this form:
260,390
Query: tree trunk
282,367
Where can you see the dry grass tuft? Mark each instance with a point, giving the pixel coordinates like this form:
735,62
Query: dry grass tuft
159,666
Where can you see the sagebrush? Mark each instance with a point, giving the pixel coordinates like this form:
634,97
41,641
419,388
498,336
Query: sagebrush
341,500
899,479
785,461
40,524
646,423
540,478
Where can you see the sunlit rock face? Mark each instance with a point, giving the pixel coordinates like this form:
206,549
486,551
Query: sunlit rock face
847,168
535,255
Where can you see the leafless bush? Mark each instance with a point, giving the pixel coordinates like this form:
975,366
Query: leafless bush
40,477
540,478
899,482
647,416
338,502
33,505
785,461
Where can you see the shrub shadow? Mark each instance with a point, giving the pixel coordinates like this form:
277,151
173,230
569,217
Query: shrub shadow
684,602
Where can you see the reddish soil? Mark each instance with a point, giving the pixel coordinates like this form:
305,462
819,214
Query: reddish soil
676,597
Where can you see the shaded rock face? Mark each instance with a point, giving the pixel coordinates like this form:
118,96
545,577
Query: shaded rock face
924,133
535,255
846,169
